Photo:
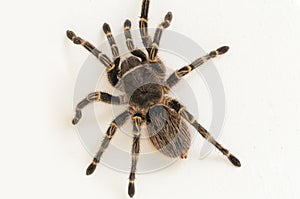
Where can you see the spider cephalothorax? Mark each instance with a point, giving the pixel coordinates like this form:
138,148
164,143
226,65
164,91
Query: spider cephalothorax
142,79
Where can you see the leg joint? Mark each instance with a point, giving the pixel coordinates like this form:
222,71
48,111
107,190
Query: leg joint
142,19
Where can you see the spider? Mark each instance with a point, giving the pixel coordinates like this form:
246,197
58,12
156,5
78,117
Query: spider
142,79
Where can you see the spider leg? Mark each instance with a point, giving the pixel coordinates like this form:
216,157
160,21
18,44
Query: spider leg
116,123
143,25
112,74
157,36
136,52
190,118
102,57
112,68
175,77
111,41
97,96
137,120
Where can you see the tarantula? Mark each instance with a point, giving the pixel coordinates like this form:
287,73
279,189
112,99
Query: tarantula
142,79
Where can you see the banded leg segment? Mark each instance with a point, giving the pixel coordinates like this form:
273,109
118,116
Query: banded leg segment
157,36
111,41
129,42
119,121
143,24
96,96
178,74
112,68
205,134
87,45
137,121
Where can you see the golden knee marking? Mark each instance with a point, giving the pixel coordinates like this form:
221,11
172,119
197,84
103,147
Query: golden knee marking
99,96
108,34
83,42
154,45
110,67
177,74
137,133
192,121
113,124
112,129
134,156
166,89
109,134
153,60
183,113
182,72
210,138
202,60
143,19
137,121
136,117
180,110
100,55
94,163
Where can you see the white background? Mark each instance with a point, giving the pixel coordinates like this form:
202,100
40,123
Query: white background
40,152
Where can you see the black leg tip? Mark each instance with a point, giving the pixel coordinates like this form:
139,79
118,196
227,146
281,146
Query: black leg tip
91,168
131,189
222,50
127,23
70,34
106,28
75,121
234,161
169,16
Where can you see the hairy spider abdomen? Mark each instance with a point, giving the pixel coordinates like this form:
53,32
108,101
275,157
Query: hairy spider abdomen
168,132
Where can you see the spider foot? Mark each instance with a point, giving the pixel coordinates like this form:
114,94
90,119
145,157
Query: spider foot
91,168
131,189
234,160
106,28
168,19
77,117
219,51
75,121
222,50
72,36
